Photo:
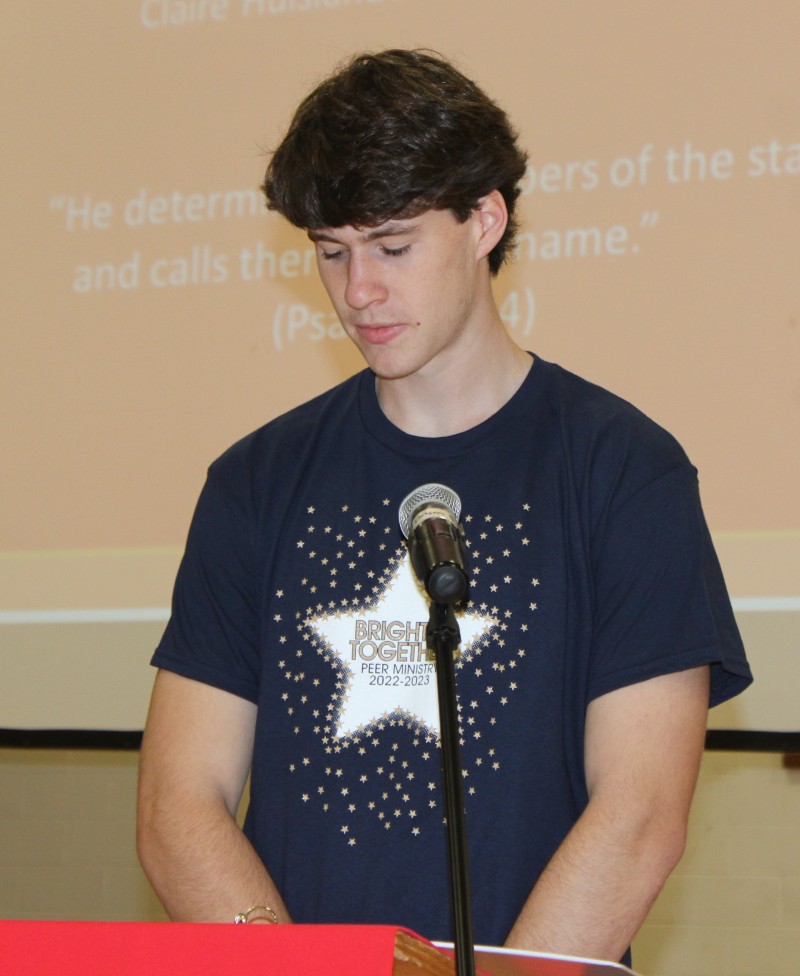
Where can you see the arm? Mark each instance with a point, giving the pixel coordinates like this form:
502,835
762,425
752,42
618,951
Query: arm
643,749
196,755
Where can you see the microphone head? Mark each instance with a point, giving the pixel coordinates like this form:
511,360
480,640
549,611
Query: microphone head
426,494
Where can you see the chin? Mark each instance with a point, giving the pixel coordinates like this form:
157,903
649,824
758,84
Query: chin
385,369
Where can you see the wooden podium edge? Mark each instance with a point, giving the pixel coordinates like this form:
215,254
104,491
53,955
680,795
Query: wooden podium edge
413,957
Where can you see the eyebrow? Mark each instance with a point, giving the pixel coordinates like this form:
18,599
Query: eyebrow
389,229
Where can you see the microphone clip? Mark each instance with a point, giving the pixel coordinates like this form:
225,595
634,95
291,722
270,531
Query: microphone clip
437,547
439,559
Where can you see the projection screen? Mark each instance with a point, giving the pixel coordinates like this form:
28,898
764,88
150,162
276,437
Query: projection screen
154,312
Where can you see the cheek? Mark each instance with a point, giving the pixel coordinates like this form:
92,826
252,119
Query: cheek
453,285
334,284
326,274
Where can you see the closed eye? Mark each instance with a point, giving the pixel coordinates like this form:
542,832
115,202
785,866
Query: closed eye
392,252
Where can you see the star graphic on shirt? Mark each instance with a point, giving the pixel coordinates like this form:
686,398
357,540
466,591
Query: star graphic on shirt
375,664
362,621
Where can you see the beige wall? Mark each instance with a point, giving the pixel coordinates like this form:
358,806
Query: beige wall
67,847
732,908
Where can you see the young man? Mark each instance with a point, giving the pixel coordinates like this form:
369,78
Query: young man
596,629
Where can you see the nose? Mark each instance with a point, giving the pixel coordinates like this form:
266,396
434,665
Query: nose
364,282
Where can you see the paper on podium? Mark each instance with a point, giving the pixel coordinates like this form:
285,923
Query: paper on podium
496,961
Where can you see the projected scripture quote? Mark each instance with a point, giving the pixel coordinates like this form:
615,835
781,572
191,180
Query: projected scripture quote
202,262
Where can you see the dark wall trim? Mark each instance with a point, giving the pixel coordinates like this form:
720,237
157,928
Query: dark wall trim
736,740
69,739
717,740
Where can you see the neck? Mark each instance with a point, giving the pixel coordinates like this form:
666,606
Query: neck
460,391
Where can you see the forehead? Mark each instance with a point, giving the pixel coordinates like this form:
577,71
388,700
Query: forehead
427,220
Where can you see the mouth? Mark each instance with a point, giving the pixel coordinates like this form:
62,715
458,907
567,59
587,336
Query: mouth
378,335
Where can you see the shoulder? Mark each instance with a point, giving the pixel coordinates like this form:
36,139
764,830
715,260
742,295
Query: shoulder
282,440
607,440
256,476
596,413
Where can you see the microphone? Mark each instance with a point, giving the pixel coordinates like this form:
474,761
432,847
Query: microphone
429,520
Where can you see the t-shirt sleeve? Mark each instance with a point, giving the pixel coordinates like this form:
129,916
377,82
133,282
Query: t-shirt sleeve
212,634
660,601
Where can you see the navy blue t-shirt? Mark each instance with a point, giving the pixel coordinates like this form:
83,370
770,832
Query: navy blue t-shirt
591,568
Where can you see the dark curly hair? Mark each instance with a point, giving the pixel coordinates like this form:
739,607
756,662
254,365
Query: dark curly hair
391,135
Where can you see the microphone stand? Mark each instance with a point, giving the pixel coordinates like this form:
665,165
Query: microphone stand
443,637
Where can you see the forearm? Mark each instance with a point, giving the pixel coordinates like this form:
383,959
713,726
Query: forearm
196,753
644,743
201,865
598,888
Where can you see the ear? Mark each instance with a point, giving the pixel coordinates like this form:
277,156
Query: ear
491,218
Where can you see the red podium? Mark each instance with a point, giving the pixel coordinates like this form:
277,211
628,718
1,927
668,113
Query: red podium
172,949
